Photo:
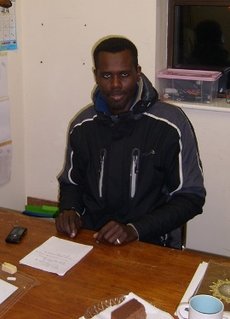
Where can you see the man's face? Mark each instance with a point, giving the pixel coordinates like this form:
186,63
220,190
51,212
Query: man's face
117,77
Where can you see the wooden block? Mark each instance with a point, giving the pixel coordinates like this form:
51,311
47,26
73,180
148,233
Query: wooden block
7,267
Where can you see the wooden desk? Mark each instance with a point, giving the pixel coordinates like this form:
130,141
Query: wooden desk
159,275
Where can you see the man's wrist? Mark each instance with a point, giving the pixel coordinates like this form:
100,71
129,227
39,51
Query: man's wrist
71,209
135,230
78,214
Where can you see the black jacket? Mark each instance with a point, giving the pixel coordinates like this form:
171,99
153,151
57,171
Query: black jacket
141,167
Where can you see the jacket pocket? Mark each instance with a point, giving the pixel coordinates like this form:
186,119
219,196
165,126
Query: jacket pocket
101,171
134,170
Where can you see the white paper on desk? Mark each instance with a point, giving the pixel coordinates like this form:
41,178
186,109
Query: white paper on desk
56,255
6,289
194,283
152,312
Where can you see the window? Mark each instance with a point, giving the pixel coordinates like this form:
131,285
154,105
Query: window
199,36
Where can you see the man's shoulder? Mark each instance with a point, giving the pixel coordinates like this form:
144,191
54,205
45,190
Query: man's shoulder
167,112
84,115
163,108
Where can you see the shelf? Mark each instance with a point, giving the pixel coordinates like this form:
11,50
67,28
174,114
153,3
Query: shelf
217,105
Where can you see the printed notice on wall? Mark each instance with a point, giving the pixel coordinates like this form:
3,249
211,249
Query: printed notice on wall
3,75
5,136
5,142
8,40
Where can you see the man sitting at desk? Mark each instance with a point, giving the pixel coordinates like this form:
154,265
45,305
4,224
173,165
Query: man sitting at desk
132,167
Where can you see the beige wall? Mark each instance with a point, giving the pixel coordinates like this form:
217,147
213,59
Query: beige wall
53,66
210,231
50,79
56,44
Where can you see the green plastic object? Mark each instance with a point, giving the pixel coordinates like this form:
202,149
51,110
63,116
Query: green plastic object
42,210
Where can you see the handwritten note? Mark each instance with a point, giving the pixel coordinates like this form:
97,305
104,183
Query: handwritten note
6,289
5,141
56,255
3,75
5,162
4,120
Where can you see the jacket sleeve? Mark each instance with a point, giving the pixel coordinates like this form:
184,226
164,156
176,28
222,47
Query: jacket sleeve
184,184
175,213
70,193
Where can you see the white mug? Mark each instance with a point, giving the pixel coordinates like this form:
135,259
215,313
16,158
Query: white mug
202,307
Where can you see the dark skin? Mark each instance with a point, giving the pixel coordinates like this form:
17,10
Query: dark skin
5,3
117,77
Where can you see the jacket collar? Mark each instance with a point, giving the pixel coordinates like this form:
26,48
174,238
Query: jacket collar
146,96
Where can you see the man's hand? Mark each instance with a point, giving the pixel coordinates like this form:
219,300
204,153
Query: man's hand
68,222
5,3
116,233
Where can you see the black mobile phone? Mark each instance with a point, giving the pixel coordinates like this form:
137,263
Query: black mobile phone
16,234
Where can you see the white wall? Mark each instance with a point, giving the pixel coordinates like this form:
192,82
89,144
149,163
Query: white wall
210,231
57,41
50,79
53,66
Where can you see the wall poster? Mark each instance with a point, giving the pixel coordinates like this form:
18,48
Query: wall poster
5,136
8,39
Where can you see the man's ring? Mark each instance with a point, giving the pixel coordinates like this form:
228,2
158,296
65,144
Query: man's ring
118,241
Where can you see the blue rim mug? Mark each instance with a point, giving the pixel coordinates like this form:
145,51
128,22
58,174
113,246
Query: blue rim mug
202,307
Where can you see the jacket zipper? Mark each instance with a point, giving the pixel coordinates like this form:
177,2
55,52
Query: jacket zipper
101,170
134,170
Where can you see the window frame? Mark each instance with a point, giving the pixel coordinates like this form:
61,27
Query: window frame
171,7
